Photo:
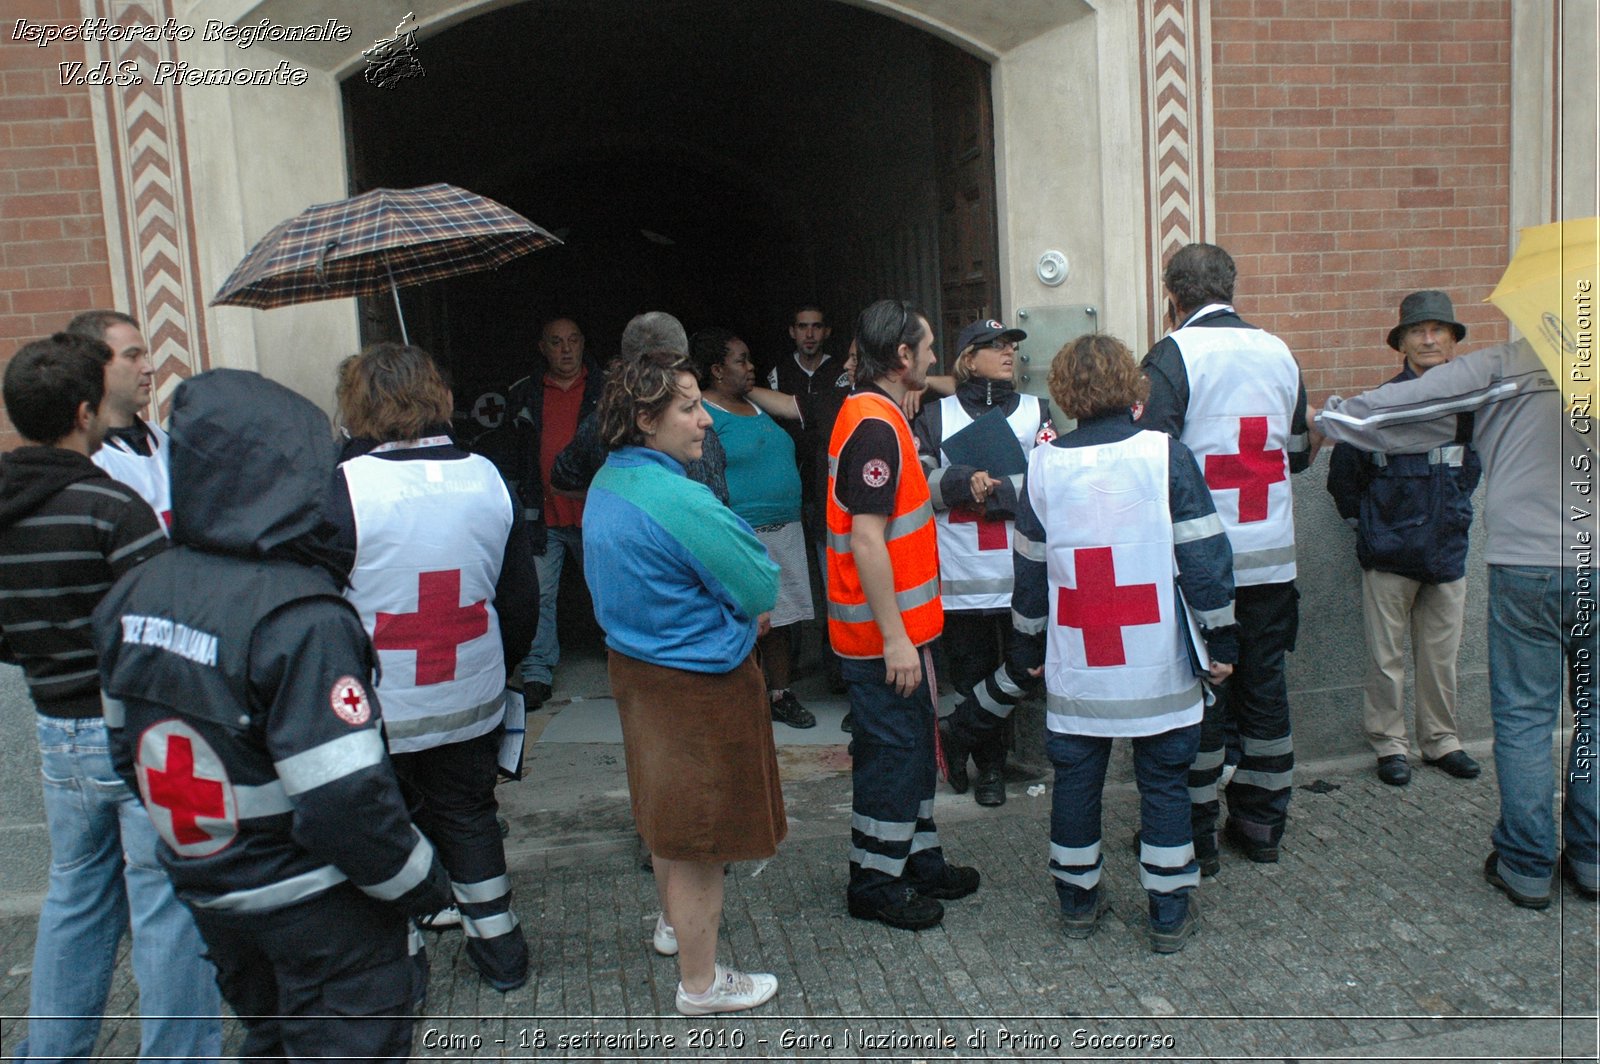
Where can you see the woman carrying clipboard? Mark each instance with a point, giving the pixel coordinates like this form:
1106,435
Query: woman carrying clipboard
974,447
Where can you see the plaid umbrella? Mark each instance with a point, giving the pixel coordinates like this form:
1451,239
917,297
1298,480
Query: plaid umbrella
383,238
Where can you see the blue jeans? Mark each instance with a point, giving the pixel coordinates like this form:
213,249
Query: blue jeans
1168,870
539,666
104,873
1535,629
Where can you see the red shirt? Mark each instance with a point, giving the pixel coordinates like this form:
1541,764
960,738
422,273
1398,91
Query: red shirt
561,407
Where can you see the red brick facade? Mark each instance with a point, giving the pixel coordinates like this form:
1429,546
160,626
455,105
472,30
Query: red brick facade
52,227
1362,152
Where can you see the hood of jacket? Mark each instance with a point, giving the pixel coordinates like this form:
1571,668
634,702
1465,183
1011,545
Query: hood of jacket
251,464
31,476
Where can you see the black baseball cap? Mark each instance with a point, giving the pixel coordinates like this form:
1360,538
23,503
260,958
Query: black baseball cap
986,332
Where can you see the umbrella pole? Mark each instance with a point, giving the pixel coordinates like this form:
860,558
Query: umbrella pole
395,291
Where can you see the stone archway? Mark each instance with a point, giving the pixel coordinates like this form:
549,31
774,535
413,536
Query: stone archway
1098,130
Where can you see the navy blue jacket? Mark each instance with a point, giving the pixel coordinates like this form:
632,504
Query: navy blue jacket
1411,511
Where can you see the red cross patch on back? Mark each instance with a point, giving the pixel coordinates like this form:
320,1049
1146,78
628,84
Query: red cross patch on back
439,625
186,789
1101,608
1250,471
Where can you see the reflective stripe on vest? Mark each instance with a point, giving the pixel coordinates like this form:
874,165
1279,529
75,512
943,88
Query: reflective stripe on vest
908,534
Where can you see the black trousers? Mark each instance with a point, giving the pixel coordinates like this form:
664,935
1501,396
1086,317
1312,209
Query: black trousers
453,788
974,647
1256,699
327,977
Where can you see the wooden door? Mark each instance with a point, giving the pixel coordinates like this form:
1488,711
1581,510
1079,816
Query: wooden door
963,123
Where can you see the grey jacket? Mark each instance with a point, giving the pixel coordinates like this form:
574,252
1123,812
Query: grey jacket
1534,454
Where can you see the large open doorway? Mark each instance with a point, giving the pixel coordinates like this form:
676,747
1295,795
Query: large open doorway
718,159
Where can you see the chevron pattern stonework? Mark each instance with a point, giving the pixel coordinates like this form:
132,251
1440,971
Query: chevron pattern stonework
149,212
1176,162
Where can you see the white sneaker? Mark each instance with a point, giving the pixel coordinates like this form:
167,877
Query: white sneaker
665,939
449,916
730,991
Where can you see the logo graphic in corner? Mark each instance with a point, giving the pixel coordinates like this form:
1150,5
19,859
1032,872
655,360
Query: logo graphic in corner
349,701
875,473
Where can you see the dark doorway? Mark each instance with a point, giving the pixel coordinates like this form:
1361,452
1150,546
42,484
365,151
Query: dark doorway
719,159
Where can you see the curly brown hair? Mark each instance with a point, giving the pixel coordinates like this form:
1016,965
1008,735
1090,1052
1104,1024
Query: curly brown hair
636,387
392,392
1096,374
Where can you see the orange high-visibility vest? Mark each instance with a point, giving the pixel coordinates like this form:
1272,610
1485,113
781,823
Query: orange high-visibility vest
912,542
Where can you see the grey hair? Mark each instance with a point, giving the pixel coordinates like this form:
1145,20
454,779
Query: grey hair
654,330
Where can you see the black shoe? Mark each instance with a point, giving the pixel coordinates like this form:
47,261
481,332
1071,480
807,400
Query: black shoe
535,693
1394,770
1571,877
956,881
1082,925
1172,939
955,760
786,709
909,911
847,723
990,789
1457,763
1259,852
1491,872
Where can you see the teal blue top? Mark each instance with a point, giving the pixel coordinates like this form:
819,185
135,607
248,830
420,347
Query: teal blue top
763,481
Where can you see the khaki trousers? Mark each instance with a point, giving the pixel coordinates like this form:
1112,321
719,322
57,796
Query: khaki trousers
1393,606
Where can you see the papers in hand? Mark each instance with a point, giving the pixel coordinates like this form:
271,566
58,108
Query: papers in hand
513,733
988,444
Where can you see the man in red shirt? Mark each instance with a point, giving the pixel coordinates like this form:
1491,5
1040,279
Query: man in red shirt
545,410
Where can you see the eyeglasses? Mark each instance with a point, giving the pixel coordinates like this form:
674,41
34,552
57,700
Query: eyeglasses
1001,345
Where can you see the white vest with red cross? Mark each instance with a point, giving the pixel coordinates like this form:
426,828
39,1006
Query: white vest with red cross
430,539
975,552
1116,660
1243,386
146,474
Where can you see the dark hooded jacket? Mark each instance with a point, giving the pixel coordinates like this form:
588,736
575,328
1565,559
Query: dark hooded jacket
67,531
239,681
514,446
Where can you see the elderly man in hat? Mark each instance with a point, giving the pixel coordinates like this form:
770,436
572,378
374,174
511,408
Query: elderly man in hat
1411,513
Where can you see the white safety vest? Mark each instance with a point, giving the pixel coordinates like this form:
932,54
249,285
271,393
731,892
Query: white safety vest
1243,385
975,555
430,540
1116,657
149,476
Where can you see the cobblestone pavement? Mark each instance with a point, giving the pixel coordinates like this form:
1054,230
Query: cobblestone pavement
1374,937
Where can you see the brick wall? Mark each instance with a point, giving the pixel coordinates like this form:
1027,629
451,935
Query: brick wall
1362,152
52,229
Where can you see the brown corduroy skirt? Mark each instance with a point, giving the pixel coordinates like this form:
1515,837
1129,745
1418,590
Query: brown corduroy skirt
702,768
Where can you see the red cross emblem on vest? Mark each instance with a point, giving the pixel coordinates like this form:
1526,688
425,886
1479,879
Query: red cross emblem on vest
436,629
186,789
1250,471
991,530
1101,608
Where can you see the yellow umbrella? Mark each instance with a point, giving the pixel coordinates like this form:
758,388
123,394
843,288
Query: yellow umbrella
1549,293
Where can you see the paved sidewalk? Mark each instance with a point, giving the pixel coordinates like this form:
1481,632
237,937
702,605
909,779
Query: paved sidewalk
1375,937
